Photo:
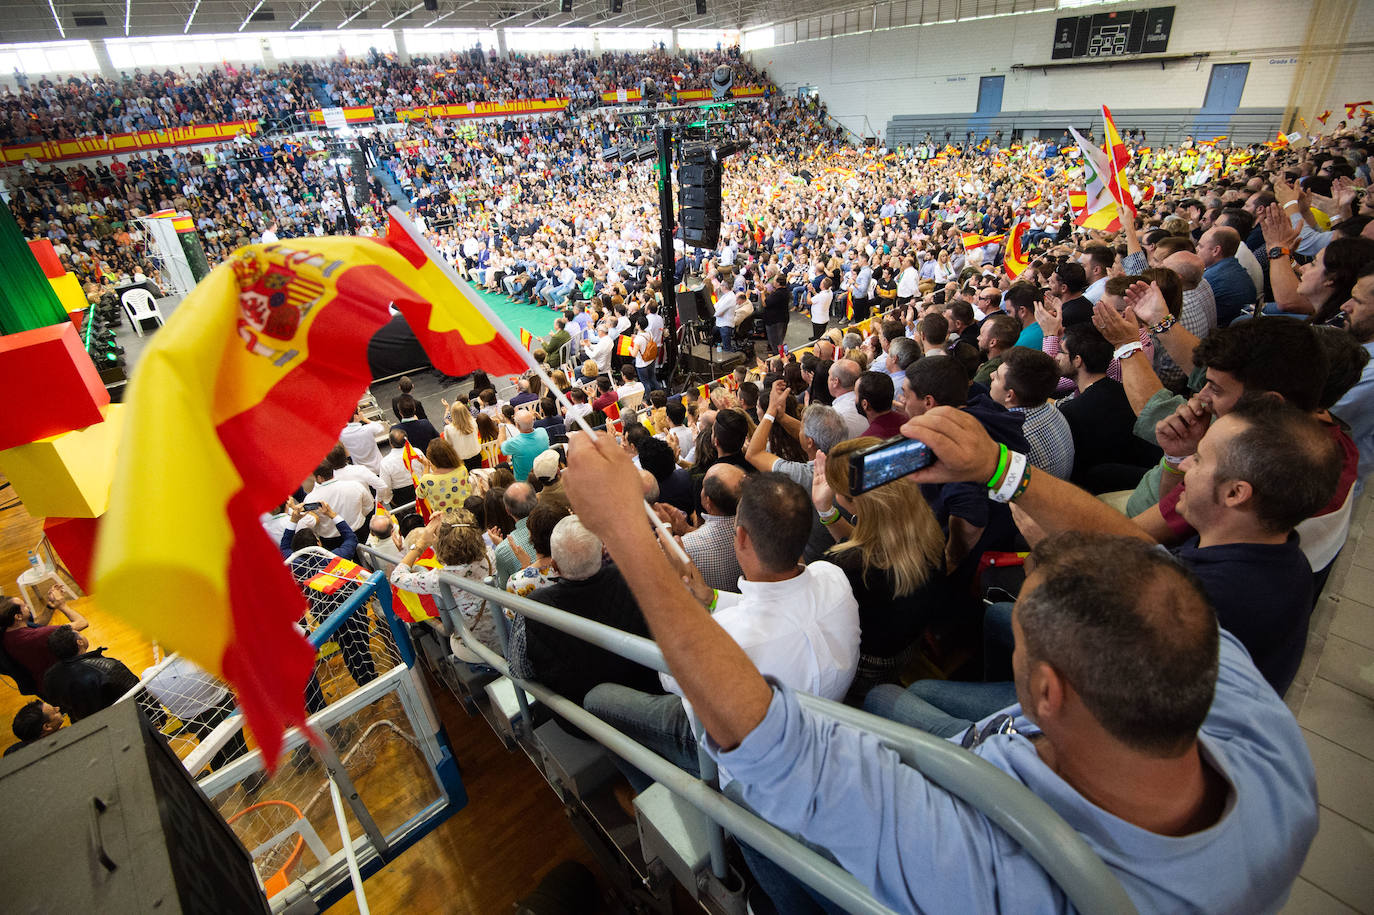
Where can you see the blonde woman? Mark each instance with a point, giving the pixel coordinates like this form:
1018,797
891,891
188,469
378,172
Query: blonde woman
457,543
445,483
894,557
460,431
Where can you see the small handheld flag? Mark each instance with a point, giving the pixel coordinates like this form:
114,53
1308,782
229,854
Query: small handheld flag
622,346
526,338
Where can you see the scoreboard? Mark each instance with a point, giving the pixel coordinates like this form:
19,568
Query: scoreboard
1113,34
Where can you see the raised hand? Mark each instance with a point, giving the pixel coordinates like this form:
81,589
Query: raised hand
964,452
1180,433
1119,328
1147,301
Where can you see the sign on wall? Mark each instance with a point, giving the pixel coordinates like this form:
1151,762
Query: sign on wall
1114,34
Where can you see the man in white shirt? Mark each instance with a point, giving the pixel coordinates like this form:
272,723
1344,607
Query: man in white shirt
820,308
601,349
799,624
725,314
907,282
350,500
360,438
844,374
396,476
338,459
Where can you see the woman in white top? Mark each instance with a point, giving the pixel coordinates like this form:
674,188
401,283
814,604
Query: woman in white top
942,270
458,544
820,308
460,431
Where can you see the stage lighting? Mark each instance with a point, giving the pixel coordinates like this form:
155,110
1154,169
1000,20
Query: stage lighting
722,81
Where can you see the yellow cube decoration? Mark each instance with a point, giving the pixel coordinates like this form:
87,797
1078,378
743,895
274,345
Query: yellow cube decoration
67,475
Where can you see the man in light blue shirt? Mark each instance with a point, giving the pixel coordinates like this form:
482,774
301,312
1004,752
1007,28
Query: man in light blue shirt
1188,776
522,449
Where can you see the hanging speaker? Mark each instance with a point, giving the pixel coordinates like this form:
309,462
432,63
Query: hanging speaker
565,6
432,5
617,6
701,7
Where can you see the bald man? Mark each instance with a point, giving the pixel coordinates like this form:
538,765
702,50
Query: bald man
844,374
1231,285
1199,314
525,447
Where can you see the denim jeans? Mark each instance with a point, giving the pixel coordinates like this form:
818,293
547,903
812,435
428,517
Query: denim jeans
659,723
726,333
944,708
648,377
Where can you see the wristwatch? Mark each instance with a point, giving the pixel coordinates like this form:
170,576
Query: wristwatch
1278,251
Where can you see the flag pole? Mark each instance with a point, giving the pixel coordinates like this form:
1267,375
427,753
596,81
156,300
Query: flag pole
501,329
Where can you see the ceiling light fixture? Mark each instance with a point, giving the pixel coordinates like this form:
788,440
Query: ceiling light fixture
251,13
314,6
418,6
57,19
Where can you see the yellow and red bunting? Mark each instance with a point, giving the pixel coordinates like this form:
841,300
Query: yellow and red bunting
1352,107
703,391
526,338
974,240
622,346
337,575
1016,260
274,339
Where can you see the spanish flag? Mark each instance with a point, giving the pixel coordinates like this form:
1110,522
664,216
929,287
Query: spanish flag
526,338
622,346
849,306
1016,260
974,240
1118,157
270,348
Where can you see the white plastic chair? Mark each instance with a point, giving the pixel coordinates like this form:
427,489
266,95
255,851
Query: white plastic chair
140,307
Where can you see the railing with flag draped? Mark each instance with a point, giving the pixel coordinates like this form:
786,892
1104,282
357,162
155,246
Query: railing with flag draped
1028,820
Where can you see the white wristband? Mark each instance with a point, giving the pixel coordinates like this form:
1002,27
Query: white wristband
767,418
1016,469
1127,349
1291,203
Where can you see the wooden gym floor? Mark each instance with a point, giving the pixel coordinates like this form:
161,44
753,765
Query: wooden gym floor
483,859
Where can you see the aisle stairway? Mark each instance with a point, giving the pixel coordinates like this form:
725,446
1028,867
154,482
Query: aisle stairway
393,189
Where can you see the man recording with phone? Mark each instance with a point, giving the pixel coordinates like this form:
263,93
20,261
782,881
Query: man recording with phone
1149,731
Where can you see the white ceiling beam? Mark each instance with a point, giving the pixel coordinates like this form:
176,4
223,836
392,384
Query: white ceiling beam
128,14
191,18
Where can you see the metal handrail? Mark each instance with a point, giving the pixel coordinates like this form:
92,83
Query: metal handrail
1059,849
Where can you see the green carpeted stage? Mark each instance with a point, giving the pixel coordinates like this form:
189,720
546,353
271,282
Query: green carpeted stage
537,319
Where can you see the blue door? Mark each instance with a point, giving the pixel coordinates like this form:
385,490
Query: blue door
989,104
1224,90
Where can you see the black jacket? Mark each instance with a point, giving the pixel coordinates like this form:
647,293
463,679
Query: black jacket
87,683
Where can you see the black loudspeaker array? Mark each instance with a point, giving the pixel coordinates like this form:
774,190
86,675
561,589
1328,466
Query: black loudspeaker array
699,196
432,5
565,6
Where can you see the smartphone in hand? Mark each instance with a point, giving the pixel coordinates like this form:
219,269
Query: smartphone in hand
886,461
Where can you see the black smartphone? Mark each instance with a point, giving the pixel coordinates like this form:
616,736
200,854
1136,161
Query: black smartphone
310,506
886,461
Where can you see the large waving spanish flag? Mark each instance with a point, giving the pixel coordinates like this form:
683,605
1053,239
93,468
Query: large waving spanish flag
231,405
1016,259
1118,157
974,240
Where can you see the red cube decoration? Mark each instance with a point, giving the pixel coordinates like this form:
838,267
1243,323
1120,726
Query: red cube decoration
51,385
73,539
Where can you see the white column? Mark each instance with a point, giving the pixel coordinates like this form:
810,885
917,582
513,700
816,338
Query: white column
501,41
269,60
102,57
596,44
672,44
402,55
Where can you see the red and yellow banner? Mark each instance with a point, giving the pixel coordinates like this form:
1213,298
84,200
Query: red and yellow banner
272,346
118,143
974,240
484,109
357,114
622,346
333,577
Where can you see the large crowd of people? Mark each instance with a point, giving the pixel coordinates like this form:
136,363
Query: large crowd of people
1171,423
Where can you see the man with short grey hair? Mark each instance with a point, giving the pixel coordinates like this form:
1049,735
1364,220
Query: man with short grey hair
590,589
820,429
844,374
519,499
525,447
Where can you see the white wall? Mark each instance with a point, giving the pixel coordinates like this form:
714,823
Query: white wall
935,69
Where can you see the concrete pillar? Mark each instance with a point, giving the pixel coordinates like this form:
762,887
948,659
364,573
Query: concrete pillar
402,55
102,57
672,43
596,44
501,41
269,60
